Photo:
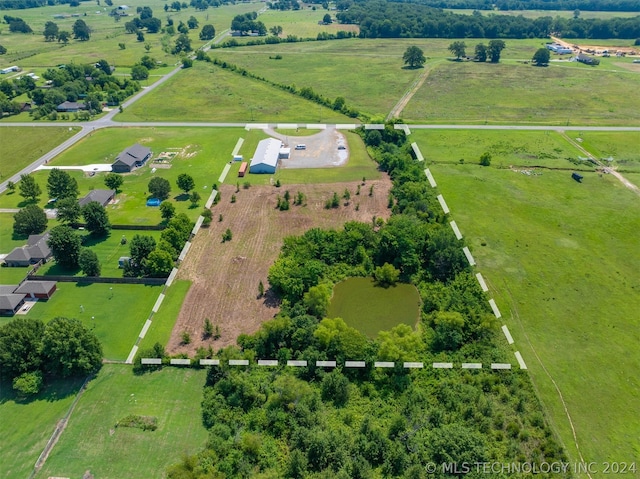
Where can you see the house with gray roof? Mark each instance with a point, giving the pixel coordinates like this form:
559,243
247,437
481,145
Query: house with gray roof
37,289
10,303
133,157
101,196
34,251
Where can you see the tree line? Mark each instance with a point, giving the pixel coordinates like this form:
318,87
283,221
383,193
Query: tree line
368,422
570,5
380,19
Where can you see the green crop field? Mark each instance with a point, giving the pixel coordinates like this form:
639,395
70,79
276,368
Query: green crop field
209,93
27,425
621,146
511,93
561,259
120,311
371,309
92,442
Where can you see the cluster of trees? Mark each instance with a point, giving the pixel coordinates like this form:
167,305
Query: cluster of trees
380,19
31,351
145,21
17,25
10,89
315,422
140,71
247,23
589,5
482,52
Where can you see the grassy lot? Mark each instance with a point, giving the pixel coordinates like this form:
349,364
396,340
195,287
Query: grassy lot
39,140
370,308
119,313
27,426
303,23
517,149
202,153
359,165
31,51
561,259
511,93
164,319
209,93
622,146
91,441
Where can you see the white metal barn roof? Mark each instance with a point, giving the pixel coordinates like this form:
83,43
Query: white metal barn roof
267,153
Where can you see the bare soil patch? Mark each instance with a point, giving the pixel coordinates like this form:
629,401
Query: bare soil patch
225,276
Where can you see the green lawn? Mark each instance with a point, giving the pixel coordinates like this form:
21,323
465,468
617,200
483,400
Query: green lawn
7,240
15,156
621,146
120,311
209,93
27,426
511,93
561,259
91,442
371,309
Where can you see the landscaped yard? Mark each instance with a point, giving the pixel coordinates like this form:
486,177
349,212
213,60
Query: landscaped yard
371,309
561,259
92,442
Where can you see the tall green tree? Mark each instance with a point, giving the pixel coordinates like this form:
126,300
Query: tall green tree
140,248
113,181
414,57
458,48
65,246
185,182
61,184
69,349
29,189
159,264
68,210
50,31
541,57
317,299
481,52
183,44
495,50
96,219
89,262
208,32
81,30
192,23
159,187
20,346
167,210
30,220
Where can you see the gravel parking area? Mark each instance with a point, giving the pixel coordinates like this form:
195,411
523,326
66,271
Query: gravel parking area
326,149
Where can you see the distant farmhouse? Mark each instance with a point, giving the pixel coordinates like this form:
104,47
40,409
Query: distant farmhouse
265,159
133,157
36,250
587,60
70,107
101,196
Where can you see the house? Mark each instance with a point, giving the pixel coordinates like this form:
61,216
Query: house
12,69
265,158
131,158
37,289
35,250
10,302
587,60
101,196
70,107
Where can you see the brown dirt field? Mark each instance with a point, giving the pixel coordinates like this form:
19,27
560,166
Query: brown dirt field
225,276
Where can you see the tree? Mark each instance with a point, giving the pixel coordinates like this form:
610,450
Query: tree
458,48
208,328
159,187
28,384
481,52
68,210
327,19
386,275
227,236
96,218
148,62
192,23
30,220
167,210
159,264
103,65
70,349
140,36
541,57
81,31
11,186
414,57
65,246
20,345
113,181
88,262
495,50
335,387
140,248
50,31
208,32
139,72
485,159
260,289
185,182
194,197
3,50
317,299
61,185
64,37
183,44
29,189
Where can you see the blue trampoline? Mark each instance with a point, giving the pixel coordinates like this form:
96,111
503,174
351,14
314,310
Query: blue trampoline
153,202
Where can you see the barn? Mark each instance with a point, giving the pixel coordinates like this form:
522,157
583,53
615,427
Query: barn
265,158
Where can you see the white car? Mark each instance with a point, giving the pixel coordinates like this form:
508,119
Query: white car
636,61
301,146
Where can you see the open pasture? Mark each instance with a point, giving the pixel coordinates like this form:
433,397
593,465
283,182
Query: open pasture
621,146
371,309
561,260
304,22
92,442
515,93
120,311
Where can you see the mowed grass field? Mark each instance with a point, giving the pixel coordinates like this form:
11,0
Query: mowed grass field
209,93
21,146
27,426
120,311
517,93
371,309
621,146
92,442
561,259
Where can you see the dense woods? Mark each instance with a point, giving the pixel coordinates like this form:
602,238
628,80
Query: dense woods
380,19
587,5
364,423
